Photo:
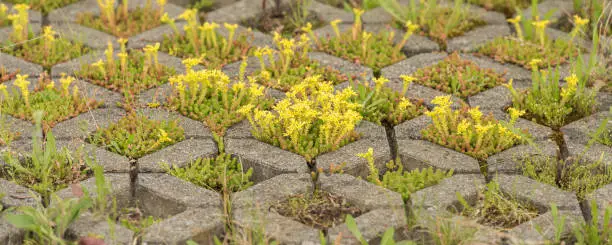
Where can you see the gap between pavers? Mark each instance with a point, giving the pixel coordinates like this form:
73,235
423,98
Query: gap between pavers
268,161
603,198
383,208
12,64
578,136
438,199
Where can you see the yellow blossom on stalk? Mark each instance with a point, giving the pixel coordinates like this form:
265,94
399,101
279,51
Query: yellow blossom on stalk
580,21
122,42
23,84
256,91
232,29
407,80
123,60
189,63
515,114
540,26
100,65
516,23
50,85
480,129
334,24
404,103
165,19
357,25
163,136
3,9
475,113
442,101
534,63
369,155
410,27
462,127
380,82
65,82
578,24
236,87
48,34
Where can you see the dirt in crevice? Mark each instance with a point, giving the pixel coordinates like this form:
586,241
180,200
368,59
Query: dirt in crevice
391,139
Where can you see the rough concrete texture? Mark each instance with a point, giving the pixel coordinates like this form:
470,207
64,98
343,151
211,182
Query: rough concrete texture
196,224
82,126
251,209
179,154
603,199
110,161
511,160
443,195
418,154
474,39
12,64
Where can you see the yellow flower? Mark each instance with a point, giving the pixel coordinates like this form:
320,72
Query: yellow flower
335,22
515,114
480,129
358,12
366,36
541,24
165,19
535,62
163,136
21,7
580,21
410,27
515,20
404,103
307,28
230,27
475,113
380,81
463,127
190,62
66,81
367,155
572,81
442,101
48,33
256,91
4,91
236,87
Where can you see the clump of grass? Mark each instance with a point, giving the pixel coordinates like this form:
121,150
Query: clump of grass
570,175
45,51
438,22
135,135
6,75
384,106
497,209
44,6
131,73
223,171
292,65
531,42
548,103
467,131
373,50
457,76
311,120
508,8
122,22
203,41
400,181
58,104
320,209
287,21
205,95
46,169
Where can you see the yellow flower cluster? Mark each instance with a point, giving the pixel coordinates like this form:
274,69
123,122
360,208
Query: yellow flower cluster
20,23
288,49
468,131
310,106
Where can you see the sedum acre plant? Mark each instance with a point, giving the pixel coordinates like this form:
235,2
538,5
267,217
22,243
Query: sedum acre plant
203,41
44,6
457,76
292,65
311,120
531,42
4,13
120,21
373,50
403,182
58,104
136,135
384,106
468,131
548,103
129,74
214,173
47,50
206,95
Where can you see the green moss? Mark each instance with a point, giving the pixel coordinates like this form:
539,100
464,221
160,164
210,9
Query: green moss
46,53
219,173
135,135
459,77
44,6
135,78
515,51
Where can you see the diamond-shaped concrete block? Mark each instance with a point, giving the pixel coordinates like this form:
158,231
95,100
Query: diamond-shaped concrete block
268,161
13,64
579,134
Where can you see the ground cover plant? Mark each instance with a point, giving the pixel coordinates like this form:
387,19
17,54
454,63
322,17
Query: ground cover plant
6,134
58,104
497,209
203,41
221,173
438,22
133,219
466,130
4,15
553,105
311,120
46,169
206,95
403,182
374,50
532,43
130,73
285,20
136,135
44,6
384,106
457,76
47,50
603,134
319,209
122,22
292,65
